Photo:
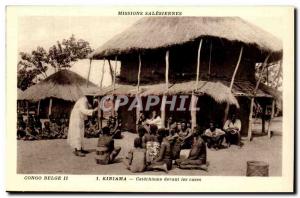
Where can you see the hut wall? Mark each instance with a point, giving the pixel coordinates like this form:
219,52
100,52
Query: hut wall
59,107
243,114
183,61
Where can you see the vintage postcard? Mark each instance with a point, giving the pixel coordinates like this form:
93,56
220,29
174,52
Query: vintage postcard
150,99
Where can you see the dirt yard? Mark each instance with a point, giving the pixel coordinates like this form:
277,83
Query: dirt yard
55,157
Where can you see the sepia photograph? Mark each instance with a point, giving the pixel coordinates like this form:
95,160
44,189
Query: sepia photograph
151,92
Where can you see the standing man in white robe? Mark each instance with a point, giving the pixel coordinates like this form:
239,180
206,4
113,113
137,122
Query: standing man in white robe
79,113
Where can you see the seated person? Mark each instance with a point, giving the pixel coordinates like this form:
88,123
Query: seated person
152,144
154,120
46,132
197,155
106,152
115,127
136,159
64,128
171,125
21,126
213,136
185,135
164,160
141,132
31,133
141,121
232,127
37,124
54,127
92,130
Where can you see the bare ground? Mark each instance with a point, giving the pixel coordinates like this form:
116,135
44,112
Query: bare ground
55,157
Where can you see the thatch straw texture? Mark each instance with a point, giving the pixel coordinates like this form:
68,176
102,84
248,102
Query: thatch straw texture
246,88
63,84
159,32
19,94
218,91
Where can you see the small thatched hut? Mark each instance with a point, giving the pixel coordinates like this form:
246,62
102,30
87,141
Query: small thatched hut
57,93
210,58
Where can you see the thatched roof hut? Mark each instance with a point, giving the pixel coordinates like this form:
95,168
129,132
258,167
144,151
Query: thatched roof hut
63,84
195,56
160,32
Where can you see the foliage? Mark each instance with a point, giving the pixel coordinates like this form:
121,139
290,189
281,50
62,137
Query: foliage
271,75
33,66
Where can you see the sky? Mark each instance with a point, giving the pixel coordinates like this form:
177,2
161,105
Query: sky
44,31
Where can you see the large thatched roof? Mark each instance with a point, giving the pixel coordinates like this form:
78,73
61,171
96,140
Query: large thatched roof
63,84
158,32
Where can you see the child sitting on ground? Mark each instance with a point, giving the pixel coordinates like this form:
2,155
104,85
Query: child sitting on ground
136,159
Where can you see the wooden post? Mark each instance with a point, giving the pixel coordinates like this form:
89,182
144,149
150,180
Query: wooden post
139,74
232,83
250,120
138,91
88,77
252,99
102,74
115,71
38,108
272,116
163,112
193,110
111,71
99,115
27,111
209,63
50,107
194,98
263,119
198,63
167,69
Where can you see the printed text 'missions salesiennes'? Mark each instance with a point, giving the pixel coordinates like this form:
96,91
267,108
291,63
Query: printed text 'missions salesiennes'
150,13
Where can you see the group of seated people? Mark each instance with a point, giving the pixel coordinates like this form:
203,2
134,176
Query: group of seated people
158,148
92,127
57,127
32,128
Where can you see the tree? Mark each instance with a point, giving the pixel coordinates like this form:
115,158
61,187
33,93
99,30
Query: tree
33,66
272,74
63,54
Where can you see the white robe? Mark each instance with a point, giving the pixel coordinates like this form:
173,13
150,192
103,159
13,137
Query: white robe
76,123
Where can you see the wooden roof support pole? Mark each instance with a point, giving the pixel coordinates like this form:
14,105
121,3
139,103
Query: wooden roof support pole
167,69
102,74
50,107
270,121
253,97
139,74
114,85
99,114
27,111
115,73
163,109
38,107
110,71
209,63
138,91
194,98
232,82
88,77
